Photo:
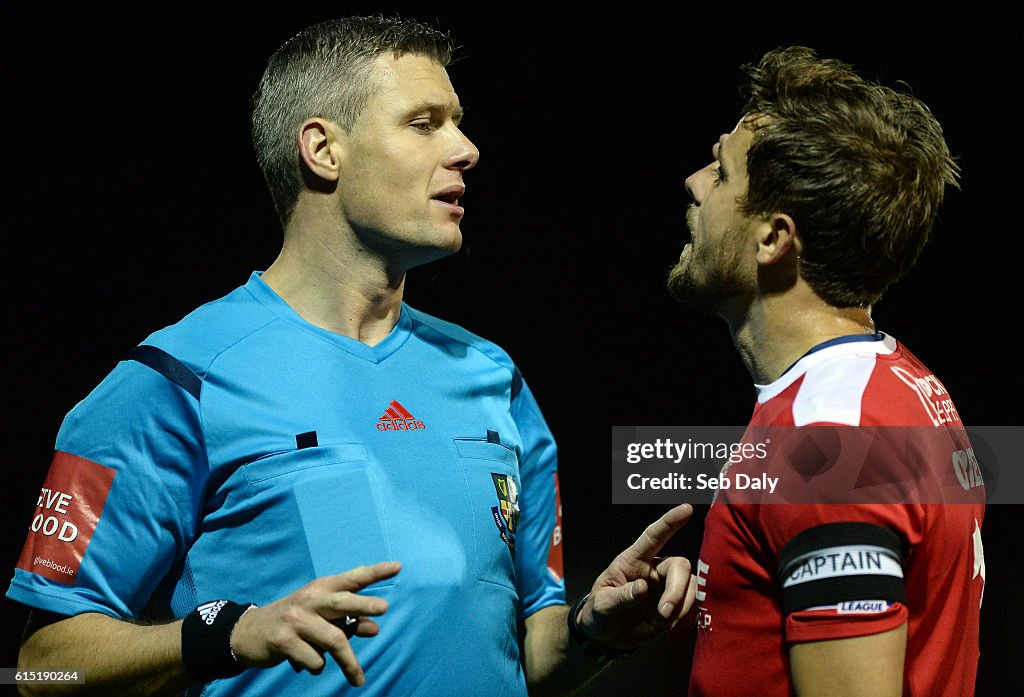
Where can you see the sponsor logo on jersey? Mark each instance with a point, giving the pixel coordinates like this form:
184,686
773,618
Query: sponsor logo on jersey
932,395
506,513
397,418
703,613
70,504
702,579
967,469
208,611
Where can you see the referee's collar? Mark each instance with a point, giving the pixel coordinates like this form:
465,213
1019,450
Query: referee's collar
269,298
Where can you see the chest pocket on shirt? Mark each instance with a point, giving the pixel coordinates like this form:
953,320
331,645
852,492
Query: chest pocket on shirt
325,498
492,474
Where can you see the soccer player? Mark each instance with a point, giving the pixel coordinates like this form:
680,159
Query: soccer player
822,195
225,507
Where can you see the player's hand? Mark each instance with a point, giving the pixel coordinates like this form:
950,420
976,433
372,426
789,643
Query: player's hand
640,594
298,627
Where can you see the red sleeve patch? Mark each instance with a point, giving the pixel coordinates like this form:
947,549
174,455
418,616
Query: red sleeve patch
69,507
555,566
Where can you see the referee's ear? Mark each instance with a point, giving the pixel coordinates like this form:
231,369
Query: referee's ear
322,147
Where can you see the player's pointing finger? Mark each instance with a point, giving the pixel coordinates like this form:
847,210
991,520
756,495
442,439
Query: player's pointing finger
660,532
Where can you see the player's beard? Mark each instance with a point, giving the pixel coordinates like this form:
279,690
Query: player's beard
707,277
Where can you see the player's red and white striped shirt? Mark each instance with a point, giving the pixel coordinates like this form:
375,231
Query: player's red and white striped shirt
756,559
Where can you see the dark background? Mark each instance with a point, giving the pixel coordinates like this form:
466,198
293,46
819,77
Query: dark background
132,196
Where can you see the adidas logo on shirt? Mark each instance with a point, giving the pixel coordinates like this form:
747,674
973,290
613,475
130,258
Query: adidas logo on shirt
397,418
209,611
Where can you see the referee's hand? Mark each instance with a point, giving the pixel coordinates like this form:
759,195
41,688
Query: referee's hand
641,594
298,627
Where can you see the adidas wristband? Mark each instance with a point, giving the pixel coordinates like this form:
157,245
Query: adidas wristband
206,640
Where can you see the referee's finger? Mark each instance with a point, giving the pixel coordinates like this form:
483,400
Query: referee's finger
303,656
366,627
629,595
660,532
362,576
686,614
676,574
334,605
324,635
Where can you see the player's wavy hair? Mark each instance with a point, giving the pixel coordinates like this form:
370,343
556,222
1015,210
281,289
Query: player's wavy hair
326,71
861,168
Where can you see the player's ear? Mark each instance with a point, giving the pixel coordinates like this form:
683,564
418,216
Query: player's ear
777,239
321,146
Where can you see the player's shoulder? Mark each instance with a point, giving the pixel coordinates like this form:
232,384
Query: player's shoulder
451,335
906,392
856,383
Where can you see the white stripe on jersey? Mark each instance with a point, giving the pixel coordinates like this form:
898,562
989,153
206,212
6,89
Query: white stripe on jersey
834,394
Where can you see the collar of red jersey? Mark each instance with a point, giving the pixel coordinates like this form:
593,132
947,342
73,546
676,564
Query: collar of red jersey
878,343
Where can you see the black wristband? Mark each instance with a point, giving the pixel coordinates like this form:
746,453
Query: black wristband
206,640
588,646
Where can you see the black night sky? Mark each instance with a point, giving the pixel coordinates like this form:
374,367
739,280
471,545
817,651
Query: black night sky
132,196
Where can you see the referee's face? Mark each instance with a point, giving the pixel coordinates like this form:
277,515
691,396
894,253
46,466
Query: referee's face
403,160
716,270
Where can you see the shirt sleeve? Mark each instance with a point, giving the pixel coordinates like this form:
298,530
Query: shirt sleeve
840,567
842,574
120,503
538,561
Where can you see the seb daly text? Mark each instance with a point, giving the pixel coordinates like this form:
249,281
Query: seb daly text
702,482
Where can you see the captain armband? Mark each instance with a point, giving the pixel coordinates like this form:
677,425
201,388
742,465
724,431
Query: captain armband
851,568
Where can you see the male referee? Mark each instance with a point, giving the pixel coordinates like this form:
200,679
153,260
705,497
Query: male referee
253,484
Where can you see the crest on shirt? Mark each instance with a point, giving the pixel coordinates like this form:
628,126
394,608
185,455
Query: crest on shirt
506,513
